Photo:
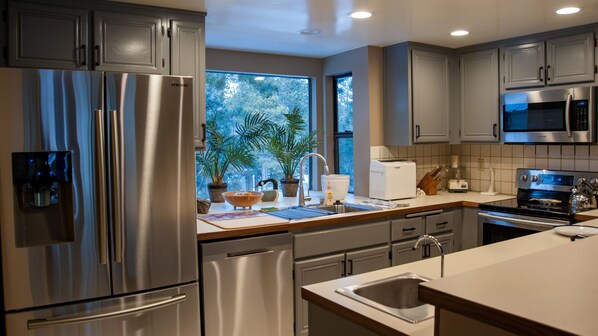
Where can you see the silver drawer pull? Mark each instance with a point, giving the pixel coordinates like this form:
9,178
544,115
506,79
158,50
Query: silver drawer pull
442,223
409,229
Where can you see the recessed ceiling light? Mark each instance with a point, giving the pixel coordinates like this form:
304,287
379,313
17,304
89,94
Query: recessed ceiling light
459,33
568,10
259,78
360,14
310,31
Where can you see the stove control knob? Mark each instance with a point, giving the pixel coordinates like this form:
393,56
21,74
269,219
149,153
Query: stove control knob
523,178
534,178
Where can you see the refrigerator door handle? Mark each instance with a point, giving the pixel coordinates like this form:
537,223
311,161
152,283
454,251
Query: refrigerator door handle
117,209
100,159
60,322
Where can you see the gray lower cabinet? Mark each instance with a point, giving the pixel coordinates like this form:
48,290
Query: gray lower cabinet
479,96
47,37
324,255
126,42
562,60
187,58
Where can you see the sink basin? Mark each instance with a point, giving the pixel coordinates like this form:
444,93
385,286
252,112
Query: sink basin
396,296
319,211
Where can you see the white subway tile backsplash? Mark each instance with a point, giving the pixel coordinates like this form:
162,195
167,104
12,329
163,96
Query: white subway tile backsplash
484,184
506,163
394,152
582,152
485,174
411,151
567,152
506,151
495,151
529,163
474,185
475,173
403,151
435,149
517,162
506,187
582,165
420,150
541,163
465,149
554,164
495,161
455,149
529,151
567,164
517,151
427,150
475,150
442,149
506,175
541,151
593,165
554,151
594,152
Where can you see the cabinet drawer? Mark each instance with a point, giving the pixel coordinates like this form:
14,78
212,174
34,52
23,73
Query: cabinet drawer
346,238
439,223
407,228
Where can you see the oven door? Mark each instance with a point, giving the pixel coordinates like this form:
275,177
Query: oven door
494,227
553,116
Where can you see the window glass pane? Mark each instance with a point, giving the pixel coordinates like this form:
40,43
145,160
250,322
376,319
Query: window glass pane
344,104
345,158
231,96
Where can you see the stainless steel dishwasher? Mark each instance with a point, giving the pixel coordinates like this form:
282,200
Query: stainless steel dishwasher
248,286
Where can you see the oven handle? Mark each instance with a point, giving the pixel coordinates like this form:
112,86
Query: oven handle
532,223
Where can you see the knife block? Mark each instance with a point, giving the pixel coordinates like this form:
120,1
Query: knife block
428,184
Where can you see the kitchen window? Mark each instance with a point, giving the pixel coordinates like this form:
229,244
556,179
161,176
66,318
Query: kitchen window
230,96
343,126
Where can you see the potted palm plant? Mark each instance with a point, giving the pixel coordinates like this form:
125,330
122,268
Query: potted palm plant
288,142
230,151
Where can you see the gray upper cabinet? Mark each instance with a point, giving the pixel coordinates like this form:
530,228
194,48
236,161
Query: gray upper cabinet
47,37
556,61
126,42
430,96
187,57
479,96
416,94
570,59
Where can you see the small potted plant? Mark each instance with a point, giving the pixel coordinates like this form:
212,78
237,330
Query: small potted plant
225,151
288,142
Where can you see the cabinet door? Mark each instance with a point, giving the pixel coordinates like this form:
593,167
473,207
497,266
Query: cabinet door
125,42
309,272
47,37
570,59
479,96
403,253
430,83
187,57
524,65
447,244
368,260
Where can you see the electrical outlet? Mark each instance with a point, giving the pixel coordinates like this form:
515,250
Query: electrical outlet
481,164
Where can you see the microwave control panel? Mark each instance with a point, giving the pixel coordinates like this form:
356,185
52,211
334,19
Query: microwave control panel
579,115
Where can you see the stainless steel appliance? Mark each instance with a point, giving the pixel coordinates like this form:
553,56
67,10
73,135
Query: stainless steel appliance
542,203
248,286
549,116
97,207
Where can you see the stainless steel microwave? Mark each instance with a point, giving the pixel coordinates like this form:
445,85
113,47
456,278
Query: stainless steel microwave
549,116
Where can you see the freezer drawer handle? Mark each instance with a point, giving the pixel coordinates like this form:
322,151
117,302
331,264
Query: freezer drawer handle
60,322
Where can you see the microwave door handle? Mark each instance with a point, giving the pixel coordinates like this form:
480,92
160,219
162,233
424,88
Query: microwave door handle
568,115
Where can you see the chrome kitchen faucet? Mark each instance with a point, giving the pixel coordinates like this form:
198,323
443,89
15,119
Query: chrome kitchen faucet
301,197
438,244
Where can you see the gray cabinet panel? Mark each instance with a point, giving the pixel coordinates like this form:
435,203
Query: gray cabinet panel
368,260
524,65
47,37
403,253
570,59
430,96
446,240
342,239
310,272
125,42
479,96
188,59
409,228
439,223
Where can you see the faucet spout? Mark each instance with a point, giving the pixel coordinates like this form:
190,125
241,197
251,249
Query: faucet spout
440,248
301,194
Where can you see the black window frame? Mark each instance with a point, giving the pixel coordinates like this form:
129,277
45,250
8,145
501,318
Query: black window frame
336,134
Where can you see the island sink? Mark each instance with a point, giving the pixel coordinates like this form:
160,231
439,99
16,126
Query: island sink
396,296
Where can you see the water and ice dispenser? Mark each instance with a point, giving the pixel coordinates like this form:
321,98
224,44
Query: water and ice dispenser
43,200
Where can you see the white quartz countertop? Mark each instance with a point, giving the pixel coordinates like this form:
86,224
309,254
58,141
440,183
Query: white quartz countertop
457,268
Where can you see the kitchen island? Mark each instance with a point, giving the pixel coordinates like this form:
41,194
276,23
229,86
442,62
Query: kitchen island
538,284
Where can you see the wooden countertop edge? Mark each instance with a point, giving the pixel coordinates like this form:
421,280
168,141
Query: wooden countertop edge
373,325
497,318
306,224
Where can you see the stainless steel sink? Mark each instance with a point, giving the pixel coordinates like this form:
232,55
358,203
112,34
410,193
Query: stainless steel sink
319,211
396,296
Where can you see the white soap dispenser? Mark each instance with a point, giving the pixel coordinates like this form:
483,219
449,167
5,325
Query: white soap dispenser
328,196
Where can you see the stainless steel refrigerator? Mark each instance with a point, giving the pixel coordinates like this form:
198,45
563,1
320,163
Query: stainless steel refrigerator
97,204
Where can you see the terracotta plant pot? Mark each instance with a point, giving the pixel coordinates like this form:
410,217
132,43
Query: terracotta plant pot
289,187
215,191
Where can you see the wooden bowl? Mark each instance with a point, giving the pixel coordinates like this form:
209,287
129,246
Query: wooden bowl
243,199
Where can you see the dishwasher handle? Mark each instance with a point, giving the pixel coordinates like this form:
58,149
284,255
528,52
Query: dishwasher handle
248,253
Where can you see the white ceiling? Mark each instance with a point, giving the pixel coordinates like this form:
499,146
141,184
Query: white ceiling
271,26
